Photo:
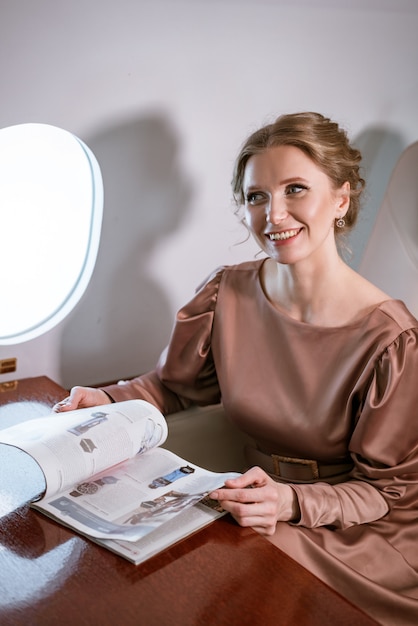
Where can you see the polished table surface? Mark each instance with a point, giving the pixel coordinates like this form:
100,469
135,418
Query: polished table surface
221,575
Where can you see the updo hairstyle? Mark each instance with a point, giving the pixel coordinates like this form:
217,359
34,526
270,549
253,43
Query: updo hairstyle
322,140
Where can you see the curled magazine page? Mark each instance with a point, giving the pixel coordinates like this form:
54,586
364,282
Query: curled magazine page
74,446
135,498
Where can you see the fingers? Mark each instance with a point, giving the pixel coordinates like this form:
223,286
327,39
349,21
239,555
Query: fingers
61,406
81,397
245,495
260,515
256,500
249,499
71,402
254,477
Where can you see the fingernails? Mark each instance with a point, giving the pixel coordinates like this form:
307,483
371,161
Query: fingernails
61,404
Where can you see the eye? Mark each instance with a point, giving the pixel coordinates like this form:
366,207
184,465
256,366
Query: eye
294,188
254,197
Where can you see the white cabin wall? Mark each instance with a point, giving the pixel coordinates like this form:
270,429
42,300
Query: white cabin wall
164,92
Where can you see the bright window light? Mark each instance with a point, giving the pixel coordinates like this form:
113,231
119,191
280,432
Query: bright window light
51,204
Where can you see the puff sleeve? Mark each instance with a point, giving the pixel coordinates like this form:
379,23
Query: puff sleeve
185,373
384,448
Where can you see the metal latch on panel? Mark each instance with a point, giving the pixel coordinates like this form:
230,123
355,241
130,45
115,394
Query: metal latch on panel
8,365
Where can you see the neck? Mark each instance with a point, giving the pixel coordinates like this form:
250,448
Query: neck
309,293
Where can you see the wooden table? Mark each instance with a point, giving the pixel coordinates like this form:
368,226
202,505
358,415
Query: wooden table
222,575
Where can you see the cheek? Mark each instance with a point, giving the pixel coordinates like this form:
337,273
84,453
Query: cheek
255,219
310,212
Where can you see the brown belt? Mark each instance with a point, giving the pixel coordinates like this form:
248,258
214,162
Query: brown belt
298,470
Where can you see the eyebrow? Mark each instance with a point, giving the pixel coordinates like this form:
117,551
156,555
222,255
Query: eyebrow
286,181
294,179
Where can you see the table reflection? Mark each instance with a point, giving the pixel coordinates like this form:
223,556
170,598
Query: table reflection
21,478
45,556
17,412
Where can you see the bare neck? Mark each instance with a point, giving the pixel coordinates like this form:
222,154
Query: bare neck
328,294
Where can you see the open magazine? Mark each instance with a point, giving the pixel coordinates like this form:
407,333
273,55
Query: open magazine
107,478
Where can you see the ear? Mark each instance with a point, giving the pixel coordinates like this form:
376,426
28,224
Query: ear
343,199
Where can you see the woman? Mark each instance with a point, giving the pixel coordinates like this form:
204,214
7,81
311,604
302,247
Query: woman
316,364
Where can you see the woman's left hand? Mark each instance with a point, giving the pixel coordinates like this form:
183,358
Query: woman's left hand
256,500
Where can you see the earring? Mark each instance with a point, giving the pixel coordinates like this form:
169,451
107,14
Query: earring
340,222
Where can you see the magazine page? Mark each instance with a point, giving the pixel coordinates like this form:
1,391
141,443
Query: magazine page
135,498
72,447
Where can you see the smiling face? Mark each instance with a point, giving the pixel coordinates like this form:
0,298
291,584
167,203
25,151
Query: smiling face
290,204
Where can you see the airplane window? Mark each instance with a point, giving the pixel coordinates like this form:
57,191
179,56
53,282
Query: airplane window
51,204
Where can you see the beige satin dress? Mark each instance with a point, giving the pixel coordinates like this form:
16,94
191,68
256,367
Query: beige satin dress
323,395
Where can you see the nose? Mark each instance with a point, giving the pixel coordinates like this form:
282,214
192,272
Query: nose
276,210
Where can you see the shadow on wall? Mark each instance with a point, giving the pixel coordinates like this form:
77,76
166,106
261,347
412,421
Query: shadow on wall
381,148
124,320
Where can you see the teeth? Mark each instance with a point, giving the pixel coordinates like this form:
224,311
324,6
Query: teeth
285,235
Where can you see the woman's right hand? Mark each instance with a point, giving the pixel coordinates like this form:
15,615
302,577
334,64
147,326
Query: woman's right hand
80,398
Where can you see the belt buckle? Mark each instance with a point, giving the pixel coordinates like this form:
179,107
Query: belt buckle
277,459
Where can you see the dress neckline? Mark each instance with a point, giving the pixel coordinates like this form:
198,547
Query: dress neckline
378,307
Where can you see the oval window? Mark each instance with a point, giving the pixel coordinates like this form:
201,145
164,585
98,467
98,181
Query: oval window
51,203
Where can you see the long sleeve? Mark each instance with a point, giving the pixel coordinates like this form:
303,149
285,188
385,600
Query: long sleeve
185,373
384,447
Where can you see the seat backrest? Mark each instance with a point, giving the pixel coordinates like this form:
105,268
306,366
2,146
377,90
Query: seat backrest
390,260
